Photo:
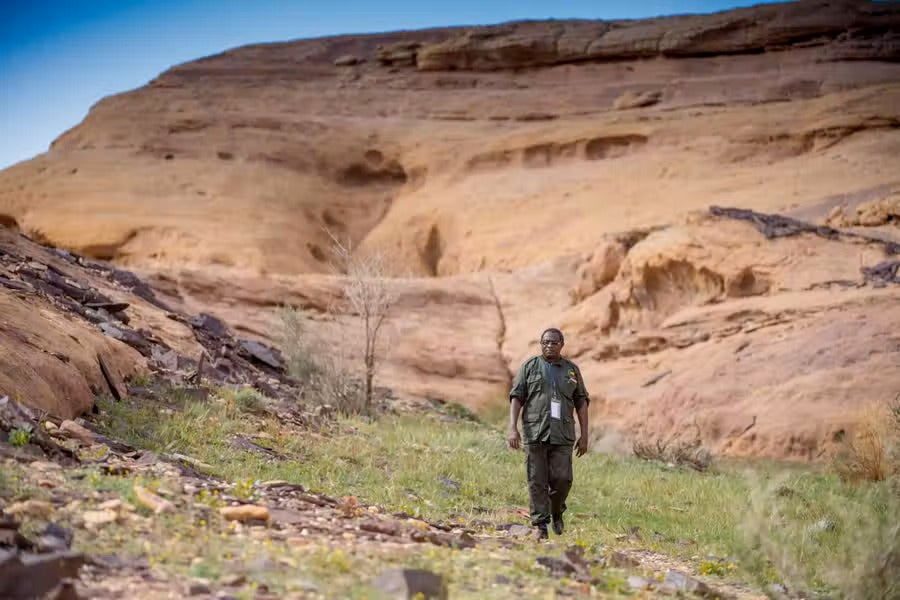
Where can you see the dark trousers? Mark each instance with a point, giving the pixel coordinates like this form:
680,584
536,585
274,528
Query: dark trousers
549,470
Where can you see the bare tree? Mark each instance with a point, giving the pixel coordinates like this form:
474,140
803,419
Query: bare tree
369,297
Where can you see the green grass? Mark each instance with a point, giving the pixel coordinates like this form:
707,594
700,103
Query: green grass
762,518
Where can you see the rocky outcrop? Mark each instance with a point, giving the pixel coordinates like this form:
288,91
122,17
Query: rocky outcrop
842,29
72,329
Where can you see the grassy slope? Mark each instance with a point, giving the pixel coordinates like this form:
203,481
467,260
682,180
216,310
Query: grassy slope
813,527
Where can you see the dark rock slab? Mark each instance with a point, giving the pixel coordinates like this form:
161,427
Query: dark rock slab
209,324
131,282
681,583
411,583
559,567
776,226
885,272
111,307
245,443
261,354
23,577
127,336
15,285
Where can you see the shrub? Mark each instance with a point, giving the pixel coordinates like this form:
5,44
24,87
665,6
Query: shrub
369,298
249,400
329,377
676,450
872,451
20,436
295,342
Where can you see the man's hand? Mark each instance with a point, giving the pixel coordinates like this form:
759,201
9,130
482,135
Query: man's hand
514,440
582,446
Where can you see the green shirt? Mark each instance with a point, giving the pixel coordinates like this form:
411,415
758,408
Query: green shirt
536,383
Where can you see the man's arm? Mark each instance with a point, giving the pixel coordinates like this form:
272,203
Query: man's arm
582,401
515,407
518,393
583,422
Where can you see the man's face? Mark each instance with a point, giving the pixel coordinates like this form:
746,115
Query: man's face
551,344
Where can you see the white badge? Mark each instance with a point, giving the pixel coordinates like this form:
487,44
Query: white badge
554,409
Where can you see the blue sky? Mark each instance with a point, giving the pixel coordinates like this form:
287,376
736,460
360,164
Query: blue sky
57,58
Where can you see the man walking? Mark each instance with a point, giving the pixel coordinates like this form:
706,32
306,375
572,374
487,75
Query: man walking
547,389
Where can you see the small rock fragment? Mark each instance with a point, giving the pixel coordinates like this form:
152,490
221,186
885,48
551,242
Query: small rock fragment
453,485
50,482
151,501
191,462
64,591
349,506
632,99
246,512
44,466
621,560
676,582
55,538
411,583
347,60
233,580
111,307
95,519
281,486
33,576
519,531
210,324
114,504
132,338
147,459
261,354
558,566
198,587
821,526
637,582
302,585
73,430
31,508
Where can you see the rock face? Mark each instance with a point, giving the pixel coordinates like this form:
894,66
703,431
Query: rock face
518,176
838,29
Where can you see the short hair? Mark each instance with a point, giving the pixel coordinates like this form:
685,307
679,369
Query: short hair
562,338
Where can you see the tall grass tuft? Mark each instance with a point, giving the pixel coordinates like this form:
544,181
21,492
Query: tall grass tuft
330,376
872,451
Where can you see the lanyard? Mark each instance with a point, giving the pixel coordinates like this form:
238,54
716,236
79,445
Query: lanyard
552,377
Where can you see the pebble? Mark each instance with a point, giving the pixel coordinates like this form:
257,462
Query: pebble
234,579
31,508
95,519
114,504
199,587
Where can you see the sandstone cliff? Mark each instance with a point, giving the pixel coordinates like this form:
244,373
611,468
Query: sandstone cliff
526,175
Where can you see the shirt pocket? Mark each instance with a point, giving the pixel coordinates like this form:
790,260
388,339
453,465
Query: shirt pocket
534,385
566,386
